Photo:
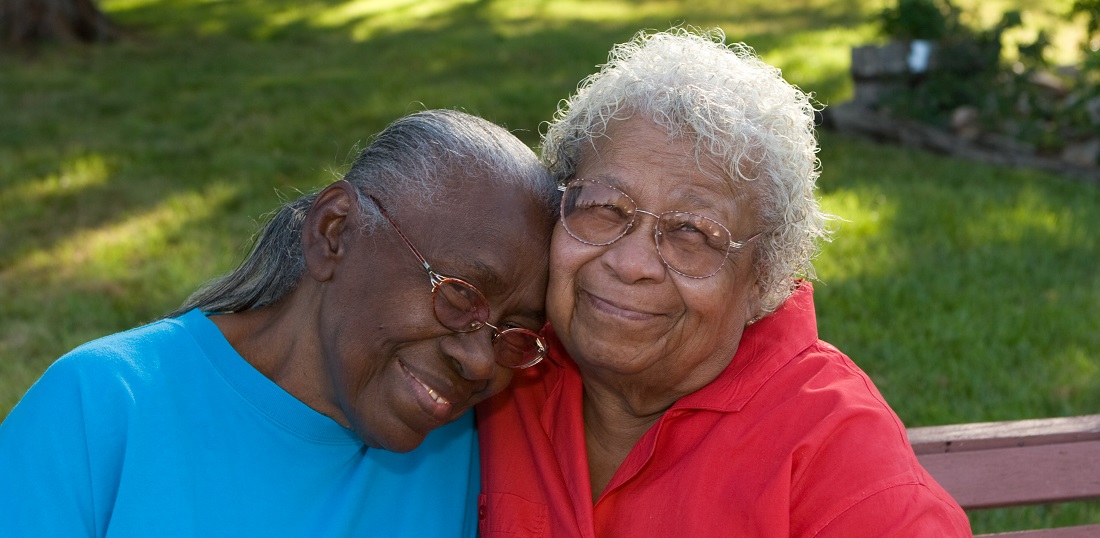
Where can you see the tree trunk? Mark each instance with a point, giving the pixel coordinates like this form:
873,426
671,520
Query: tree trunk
28,22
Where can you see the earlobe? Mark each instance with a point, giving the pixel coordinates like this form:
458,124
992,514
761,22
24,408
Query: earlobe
323,237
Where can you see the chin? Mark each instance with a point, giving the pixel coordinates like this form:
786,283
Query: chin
404,442
401,445
402,448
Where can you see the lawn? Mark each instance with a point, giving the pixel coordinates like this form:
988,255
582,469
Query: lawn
132,172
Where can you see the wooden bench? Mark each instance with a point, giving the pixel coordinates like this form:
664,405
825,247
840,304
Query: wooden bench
1016,463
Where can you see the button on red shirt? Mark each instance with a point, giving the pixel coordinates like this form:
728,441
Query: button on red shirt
792,439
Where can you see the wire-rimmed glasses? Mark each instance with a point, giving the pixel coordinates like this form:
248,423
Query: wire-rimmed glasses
461,307
598,214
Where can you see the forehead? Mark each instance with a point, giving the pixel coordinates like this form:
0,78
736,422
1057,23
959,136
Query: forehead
641,158
494,236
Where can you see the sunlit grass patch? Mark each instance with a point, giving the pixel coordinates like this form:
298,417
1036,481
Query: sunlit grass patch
75,175
113,249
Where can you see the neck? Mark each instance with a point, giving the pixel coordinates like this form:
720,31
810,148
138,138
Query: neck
283,346
611,429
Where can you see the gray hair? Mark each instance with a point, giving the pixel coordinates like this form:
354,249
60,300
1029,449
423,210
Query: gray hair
415,158
738,111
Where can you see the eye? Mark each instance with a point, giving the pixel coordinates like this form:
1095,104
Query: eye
595,200
685,233
605,210
533,327
693,231
599,219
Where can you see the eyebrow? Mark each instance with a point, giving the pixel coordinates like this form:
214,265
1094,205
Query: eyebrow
606,178
701,201
486,274
691,198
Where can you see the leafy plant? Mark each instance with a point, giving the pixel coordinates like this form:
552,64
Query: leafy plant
1091,10
1083,110
919,19
1025,100
965,61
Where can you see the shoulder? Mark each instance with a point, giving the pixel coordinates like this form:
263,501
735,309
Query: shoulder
89,391
840,412
817,372
850,454
824,382
117,367
529,389
135,352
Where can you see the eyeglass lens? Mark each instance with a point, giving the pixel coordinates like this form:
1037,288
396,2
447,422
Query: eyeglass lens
599,214
461,307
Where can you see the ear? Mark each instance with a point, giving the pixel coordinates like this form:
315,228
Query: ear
753,311
324,241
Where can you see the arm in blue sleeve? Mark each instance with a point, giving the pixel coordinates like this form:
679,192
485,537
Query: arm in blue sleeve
45,473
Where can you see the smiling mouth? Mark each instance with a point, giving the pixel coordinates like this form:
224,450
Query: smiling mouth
435,395
429,400
431,392
609,307
438,398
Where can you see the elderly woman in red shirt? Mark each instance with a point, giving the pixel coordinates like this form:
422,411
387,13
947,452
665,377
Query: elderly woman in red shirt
687,392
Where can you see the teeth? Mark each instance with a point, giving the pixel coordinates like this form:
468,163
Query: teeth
435,395
431,392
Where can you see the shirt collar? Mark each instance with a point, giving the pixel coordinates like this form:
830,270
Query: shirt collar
765,347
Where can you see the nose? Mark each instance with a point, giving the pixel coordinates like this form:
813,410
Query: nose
472,353
634,256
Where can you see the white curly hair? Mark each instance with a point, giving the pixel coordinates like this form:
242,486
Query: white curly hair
737,110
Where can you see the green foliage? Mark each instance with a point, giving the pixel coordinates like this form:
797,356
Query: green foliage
969,71
919,19
965,61
957,287
1091,11
1083,104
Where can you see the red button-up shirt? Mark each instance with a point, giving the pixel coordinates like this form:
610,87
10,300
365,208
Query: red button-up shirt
792,439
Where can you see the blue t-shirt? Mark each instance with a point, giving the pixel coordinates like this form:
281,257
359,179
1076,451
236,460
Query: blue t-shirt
165,430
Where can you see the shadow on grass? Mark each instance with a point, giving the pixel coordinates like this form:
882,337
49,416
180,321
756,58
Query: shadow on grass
272,94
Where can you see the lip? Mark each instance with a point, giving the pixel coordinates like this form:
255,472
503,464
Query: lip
429,398
615,309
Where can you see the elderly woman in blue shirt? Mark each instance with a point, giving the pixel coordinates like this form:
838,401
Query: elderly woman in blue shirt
320,389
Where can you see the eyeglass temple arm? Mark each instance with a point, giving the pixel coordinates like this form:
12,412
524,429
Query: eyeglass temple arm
432,275
740,244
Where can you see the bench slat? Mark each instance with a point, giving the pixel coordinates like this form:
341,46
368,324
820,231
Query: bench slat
987,435
1018,475
1082,531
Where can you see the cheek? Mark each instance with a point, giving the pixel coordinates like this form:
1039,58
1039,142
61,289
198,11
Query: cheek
725,309
566,258
499,382
358,383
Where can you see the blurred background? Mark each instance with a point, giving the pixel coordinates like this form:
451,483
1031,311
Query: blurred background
135,168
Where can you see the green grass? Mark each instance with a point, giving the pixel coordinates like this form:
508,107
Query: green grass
966,291
132,172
